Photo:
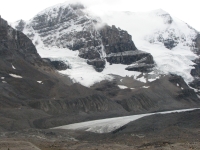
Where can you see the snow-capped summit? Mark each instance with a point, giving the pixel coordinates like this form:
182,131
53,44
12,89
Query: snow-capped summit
170,40
110,49
72,27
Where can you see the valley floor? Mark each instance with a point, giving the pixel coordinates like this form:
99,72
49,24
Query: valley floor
176,131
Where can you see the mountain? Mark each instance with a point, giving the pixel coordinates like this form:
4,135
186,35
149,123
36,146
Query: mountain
173,43
32,89
163,43
68,66
71,27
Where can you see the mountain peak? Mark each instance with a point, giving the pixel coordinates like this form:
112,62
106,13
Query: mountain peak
160,12
54,8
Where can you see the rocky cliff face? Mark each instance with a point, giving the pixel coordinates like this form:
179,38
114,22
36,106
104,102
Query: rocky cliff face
70,26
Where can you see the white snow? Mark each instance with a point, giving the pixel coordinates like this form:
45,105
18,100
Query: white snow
122,87
13,66
80,71
4,82
145,87
177,84
147,27
2,78
15,76
39,82
111,124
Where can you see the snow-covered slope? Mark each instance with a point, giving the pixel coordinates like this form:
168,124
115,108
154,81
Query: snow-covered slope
62,28
170,40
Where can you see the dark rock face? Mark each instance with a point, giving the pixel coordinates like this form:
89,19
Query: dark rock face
141,61
196,71
99,64
170,43
141,67
116,40
186,92
128,57
21,25
89,54
58,65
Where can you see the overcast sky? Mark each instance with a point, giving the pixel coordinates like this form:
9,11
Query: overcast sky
186,10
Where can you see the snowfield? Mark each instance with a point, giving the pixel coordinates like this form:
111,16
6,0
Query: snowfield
149,30
80,71
111,124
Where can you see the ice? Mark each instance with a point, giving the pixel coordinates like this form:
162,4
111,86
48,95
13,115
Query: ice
15,76
111,124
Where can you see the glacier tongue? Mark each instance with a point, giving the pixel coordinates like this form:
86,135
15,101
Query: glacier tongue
112,124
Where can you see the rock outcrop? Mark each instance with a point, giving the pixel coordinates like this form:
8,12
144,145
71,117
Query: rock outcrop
116,40
58,65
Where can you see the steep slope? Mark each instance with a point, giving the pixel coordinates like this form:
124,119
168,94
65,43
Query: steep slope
71,27
122,79
30,88
171,41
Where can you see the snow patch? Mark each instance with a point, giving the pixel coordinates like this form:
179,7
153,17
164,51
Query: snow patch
15,76
145,87
39,82
122,86
13,66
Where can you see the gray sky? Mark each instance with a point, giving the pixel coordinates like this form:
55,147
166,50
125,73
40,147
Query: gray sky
186,10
